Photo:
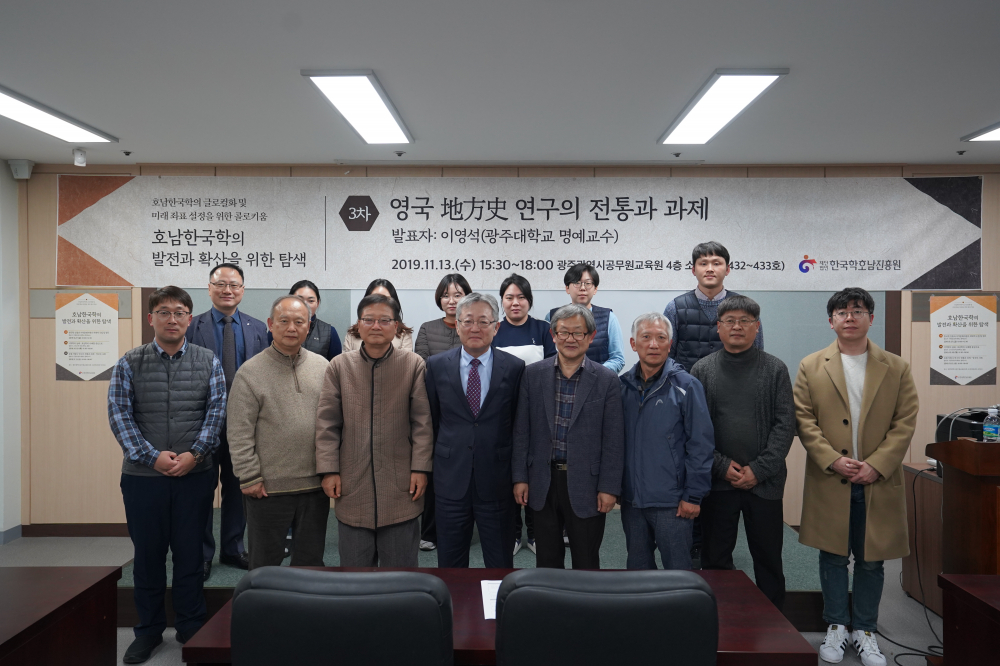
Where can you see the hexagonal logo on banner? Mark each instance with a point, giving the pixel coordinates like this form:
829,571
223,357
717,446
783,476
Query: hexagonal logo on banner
359,213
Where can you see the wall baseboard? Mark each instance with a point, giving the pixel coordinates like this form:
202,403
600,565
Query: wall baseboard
75,530
9,535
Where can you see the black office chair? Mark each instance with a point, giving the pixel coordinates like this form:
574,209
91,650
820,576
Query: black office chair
299,616
547,617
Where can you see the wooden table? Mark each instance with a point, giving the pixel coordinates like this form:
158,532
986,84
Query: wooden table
751,630
971,618
58,615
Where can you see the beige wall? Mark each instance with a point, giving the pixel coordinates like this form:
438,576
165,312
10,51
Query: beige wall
70,462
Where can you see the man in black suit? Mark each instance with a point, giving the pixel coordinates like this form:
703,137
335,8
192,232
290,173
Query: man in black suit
473,392
569,444
234,336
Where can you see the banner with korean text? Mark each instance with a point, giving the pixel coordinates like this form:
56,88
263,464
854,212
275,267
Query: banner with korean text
782,234
86,336
964,340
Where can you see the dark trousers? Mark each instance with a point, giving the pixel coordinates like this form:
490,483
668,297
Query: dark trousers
763,520
234,522
585,534
428,525
496,529
392,546
269,519
656,527
529,520
165,512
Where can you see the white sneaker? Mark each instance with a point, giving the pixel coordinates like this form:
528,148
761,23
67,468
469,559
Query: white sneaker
427,545
832,649
531,545
867,647
517,546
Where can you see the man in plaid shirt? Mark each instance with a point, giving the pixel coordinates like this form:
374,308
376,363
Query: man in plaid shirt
166,404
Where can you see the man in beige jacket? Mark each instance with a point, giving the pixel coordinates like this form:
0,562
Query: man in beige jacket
374,442
856,407
272,440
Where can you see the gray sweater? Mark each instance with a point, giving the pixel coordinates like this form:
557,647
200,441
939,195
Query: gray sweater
775,419
435,337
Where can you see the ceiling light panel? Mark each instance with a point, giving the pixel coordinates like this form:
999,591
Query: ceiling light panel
34,114
359,98
724,97
991,133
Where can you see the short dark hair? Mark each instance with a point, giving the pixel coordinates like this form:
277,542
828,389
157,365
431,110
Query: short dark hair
304,283
845,297
235,267
379,299
709,249
576,271
739,303
448,280
519,282
170,293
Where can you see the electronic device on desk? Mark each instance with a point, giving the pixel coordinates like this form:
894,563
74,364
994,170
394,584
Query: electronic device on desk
937,467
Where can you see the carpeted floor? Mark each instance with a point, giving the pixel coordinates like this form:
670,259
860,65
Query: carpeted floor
800,562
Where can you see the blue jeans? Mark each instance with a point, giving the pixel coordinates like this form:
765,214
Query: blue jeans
868,576
647,529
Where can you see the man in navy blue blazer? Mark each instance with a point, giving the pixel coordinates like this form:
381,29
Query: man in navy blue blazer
473,392
235,337
569,451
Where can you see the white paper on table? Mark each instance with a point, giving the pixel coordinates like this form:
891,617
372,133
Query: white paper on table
490,589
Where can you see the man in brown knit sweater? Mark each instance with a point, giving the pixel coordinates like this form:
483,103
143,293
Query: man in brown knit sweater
272,440
374,442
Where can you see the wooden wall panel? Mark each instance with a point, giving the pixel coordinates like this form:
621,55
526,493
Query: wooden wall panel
555,172
75,460
42,232
632,172
404,171
480,172
709,172
24,334
329,171
103,169
261,171
786,172
177,169
796,464
864,171
931,170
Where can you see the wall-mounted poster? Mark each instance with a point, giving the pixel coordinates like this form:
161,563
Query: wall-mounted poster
964,340
86,336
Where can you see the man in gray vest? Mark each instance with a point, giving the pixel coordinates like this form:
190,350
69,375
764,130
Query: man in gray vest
694,319
693,315
166,404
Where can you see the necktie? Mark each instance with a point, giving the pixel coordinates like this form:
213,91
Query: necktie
474,387
228,352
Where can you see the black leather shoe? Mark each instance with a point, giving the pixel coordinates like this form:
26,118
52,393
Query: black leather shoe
141,649
242,560
208,570
181,638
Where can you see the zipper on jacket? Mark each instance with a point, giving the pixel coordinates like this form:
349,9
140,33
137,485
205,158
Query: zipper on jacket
371,442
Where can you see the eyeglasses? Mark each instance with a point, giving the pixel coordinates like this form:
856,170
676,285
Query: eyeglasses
221,286
370,321
164,315
856,314
565,335
481,323
743,322
583,284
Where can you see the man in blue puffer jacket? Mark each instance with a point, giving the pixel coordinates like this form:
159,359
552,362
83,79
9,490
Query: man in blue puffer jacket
669,446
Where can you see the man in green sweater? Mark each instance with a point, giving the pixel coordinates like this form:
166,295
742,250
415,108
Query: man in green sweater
272,440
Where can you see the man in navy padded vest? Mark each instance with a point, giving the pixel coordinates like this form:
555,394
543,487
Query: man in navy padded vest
166,405
234,336
473,392
693,315
581,282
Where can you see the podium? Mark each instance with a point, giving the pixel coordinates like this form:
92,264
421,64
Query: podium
971,513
